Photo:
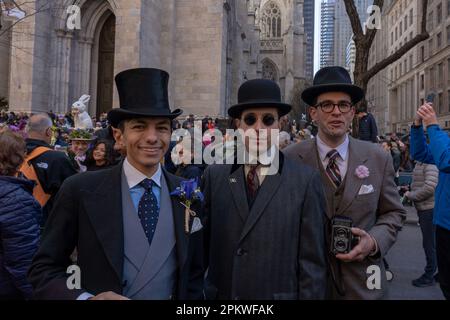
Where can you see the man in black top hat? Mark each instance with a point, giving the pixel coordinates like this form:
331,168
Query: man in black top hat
265,236
129,232
358,179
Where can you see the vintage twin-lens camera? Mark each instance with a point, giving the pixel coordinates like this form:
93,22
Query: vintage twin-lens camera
342,239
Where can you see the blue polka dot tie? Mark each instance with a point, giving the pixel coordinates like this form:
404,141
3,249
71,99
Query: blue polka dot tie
148,210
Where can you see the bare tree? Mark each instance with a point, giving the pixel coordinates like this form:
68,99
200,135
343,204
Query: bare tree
299,108
364,41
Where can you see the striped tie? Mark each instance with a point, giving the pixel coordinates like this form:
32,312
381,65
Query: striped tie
333,169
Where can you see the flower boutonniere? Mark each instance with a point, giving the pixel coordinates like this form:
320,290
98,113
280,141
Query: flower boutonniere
362,172
188,193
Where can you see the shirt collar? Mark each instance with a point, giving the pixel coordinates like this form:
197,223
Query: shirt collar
135,177
324,149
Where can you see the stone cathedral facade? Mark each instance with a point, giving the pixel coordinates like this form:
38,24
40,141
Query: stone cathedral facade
209,47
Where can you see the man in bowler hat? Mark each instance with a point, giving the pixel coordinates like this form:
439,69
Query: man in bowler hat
265,232
358,179
128,231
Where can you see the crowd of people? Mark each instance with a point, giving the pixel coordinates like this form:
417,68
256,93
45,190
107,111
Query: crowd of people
72,190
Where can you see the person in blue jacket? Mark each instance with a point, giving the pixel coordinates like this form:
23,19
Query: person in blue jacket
19,220
437,152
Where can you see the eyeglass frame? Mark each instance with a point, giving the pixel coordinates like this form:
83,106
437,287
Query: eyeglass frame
334,106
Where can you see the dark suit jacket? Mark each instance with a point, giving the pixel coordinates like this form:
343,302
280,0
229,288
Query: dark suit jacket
88,215
276,250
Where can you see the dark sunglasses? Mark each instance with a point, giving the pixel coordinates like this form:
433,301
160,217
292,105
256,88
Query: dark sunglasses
268,119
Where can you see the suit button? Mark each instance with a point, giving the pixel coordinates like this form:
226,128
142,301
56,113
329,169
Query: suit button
240,252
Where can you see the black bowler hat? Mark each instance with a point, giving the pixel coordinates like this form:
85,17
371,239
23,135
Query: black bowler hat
143,92
332,79
260,93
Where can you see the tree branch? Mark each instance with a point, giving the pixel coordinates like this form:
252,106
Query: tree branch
404,49
354,20
371,33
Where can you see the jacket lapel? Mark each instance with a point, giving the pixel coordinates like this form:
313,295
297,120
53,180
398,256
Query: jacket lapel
238,191
308,153
182,239
104,209
352,183
265,194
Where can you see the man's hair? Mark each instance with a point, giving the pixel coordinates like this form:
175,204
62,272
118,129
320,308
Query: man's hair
121,124
12,153
39,123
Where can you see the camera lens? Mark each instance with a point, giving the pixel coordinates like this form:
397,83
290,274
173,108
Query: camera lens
341,233
341,245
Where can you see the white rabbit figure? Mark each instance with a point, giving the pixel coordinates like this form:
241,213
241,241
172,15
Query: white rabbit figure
81,118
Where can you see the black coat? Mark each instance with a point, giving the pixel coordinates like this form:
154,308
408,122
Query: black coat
88,215
368,130
52,168
275,250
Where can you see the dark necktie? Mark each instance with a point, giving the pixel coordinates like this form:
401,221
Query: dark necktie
252,183
148,209
333,169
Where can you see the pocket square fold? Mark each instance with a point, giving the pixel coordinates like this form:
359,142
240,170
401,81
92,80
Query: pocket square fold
196,225
366,190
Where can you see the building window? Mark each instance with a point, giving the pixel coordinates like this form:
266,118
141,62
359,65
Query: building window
411,17
422,82
396,33
401,28
440,74
432,78
406,22
269,71
439,40
448,35
430,47
392,37
430,21
440,103
405,67
448,100
271,21
410,62
448,71
422,54
439,13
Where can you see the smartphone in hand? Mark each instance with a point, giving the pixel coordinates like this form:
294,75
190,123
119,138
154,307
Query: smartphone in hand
430,97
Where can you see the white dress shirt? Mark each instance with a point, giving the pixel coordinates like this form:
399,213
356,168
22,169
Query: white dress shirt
341,160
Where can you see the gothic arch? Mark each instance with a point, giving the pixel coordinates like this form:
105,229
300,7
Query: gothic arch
269,70
77,53
271,20
83,4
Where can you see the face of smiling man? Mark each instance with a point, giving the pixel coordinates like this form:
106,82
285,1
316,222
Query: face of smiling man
333,114
146,141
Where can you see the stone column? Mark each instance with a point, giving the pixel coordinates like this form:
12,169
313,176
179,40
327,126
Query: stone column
84,80
60,85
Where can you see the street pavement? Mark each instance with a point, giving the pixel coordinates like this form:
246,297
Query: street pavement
407,261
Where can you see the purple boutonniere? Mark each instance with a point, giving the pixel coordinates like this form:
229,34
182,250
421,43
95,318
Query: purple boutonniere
188,193
362,172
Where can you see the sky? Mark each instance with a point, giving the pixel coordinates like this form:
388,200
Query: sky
317,36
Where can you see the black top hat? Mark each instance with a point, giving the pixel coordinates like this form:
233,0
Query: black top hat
332,79
261,93
143,92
